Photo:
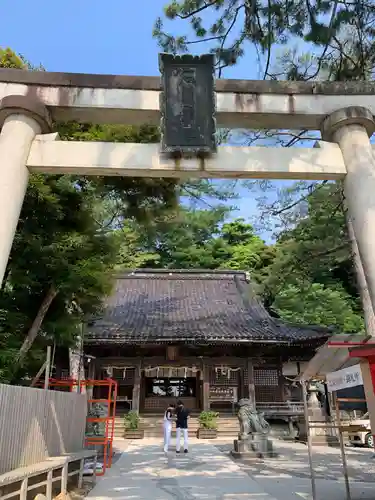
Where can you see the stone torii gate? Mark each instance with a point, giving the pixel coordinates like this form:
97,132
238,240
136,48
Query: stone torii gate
30,100
343,112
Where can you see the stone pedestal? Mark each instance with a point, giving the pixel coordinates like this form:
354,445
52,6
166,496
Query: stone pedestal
293,430
254,447
320,435
323,436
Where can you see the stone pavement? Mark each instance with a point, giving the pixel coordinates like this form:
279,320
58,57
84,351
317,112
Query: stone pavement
293,462
288,476
300,489
144,472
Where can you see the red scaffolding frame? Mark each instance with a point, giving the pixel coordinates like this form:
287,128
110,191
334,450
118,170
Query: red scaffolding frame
105,440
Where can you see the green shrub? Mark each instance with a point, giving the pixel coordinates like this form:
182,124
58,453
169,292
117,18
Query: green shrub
131,420
208,419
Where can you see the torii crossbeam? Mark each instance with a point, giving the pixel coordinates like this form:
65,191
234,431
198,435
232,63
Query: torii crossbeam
31,100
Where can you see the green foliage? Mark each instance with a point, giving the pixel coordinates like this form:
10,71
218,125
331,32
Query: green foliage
225,27
247,250
313,240
208,419
187,241
311,278
9,59
144,199
316,304
58,243
200,239
131,253
131,420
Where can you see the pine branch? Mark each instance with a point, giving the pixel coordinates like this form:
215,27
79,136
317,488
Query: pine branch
225,38
269,41
303,198
197,11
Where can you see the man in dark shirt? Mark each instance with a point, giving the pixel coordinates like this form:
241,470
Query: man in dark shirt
182,416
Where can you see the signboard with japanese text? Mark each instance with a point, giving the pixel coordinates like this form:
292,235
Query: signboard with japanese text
187,105
344,379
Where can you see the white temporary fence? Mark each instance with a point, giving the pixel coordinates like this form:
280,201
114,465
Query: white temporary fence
36,424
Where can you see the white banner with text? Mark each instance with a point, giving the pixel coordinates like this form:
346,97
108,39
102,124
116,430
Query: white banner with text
344,379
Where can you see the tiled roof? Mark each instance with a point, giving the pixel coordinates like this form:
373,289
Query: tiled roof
188,306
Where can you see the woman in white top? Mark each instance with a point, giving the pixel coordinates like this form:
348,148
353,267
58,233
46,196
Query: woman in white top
168,419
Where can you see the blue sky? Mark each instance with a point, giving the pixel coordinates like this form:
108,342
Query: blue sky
113,37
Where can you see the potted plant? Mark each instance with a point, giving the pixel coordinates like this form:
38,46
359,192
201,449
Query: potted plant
207,425
131,424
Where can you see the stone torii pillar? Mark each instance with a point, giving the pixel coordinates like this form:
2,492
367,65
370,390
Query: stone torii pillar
351,128
21,119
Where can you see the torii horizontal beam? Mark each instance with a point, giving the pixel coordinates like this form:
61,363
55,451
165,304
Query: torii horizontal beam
135,100
143,160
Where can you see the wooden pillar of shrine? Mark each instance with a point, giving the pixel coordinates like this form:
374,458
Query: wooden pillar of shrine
91,376
136,396
250,381
206,387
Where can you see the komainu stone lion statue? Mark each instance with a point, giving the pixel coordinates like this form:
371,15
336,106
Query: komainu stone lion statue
251,421
96,410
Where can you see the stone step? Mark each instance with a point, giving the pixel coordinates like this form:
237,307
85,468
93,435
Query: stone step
160,420
232,428
192,421
159,434
153,425
228,427
191,424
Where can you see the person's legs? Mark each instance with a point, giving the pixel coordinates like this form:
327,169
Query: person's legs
186,439
178,439
167,435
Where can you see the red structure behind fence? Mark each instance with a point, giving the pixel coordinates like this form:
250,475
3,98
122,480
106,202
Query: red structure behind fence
100,420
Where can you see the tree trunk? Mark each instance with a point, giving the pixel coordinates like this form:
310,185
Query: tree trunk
5,278
368,310
76,366
35,327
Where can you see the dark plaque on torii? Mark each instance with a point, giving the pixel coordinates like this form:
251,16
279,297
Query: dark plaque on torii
187,105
